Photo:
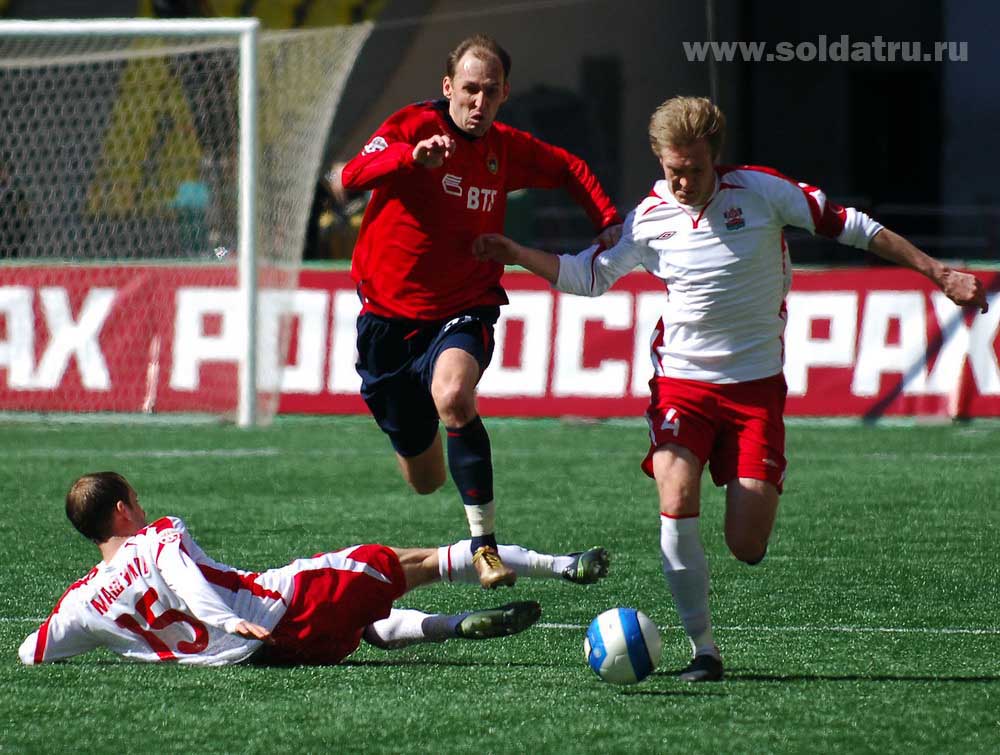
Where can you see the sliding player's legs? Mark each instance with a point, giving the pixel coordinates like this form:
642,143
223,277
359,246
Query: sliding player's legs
454,564
749,459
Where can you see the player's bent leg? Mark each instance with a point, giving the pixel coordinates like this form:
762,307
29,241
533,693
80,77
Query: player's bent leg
453,388
677,472
420,566
425,472
751,508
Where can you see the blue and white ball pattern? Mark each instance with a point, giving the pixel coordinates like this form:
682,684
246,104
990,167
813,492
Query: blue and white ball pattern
622,646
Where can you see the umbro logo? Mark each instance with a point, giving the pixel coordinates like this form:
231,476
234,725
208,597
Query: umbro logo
666,235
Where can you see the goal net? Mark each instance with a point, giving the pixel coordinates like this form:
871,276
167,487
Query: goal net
155,183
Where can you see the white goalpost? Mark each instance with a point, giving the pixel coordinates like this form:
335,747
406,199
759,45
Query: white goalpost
155,184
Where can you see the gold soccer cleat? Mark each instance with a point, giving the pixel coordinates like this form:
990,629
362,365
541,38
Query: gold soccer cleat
492,571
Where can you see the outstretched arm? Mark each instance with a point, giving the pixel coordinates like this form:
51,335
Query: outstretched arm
806,206
498,248
588,273
964,289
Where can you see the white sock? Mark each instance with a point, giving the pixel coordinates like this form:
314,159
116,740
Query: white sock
686,570
403,626
455,562
481,518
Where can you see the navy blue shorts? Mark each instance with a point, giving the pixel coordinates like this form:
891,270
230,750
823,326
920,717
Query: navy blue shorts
396,361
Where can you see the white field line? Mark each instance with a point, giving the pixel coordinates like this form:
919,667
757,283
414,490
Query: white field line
180,453
151,453
819,629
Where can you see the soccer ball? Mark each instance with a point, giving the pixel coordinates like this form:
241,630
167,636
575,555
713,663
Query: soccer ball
622,646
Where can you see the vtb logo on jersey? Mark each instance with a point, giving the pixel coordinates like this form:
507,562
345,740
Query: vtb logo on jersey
734,218
476,198
452,184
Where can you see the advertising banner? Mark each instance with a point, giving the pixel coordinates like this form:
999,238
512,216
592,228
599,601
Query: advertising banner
860,342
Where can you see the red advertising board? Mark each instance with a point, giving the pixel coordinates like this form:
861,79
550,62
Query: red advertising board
872,342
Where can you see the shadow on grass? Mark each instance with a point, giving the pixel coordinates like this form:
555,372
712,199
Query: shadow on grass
741,677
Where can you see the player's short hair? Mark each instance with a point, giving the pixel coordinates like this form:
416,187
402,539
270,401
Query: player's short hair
681,121
479,43
92,498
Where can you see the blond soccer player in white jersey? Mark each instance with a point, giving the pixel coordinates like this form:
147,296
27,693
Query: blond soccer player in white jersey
713,235
156,596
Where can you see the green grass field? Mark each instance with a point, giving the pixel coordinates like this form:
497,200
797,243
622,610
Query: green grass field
872,626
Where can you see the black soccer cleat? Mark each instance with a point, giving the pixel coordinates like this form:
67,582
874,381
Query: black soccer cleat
499,622
704,668
588,566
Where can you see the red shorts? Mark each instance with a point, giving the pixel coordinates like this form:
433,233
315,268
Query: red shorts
737,428
334,602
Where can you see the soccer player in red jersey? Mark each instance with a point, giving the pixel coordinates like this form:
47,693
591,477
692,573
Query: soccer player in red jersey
439,174
156,595
713,235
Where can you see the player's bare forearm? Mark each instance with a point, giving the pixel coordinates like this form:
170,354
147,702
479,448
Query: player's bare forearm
964,289
499,248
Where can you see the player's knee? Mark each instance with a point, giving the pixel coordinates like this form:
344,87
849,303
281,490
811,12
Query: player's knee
426,485
747,548
456,406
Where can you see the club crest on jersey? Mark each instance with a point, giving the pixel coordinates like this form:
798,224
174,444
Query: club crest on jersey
375,145
734,218
492,163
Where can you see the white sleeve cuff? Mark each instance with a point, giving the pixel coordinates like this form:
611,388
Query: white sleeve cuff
859,229
229,625
576,272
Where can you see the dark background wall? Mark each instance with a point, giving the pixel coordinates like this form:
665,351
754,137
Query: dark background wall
912,141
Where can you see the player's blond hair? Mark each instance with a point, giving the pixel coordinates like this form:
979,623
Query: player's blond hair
92,498
681,121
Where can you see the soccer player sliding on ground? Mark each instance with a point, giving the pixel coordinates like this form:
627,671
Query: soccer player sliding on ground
439,174
156,595
713,235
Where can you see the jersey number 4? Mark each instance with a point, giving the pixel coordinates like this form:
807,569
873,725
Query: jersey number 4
154,623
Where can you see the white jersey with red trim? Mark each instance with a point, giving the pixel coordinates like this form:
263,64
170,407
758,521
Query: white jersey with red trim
161,598
725,268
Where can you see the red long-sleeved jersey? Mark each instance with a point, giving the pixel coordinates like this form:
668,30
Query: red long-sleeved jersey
413,258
